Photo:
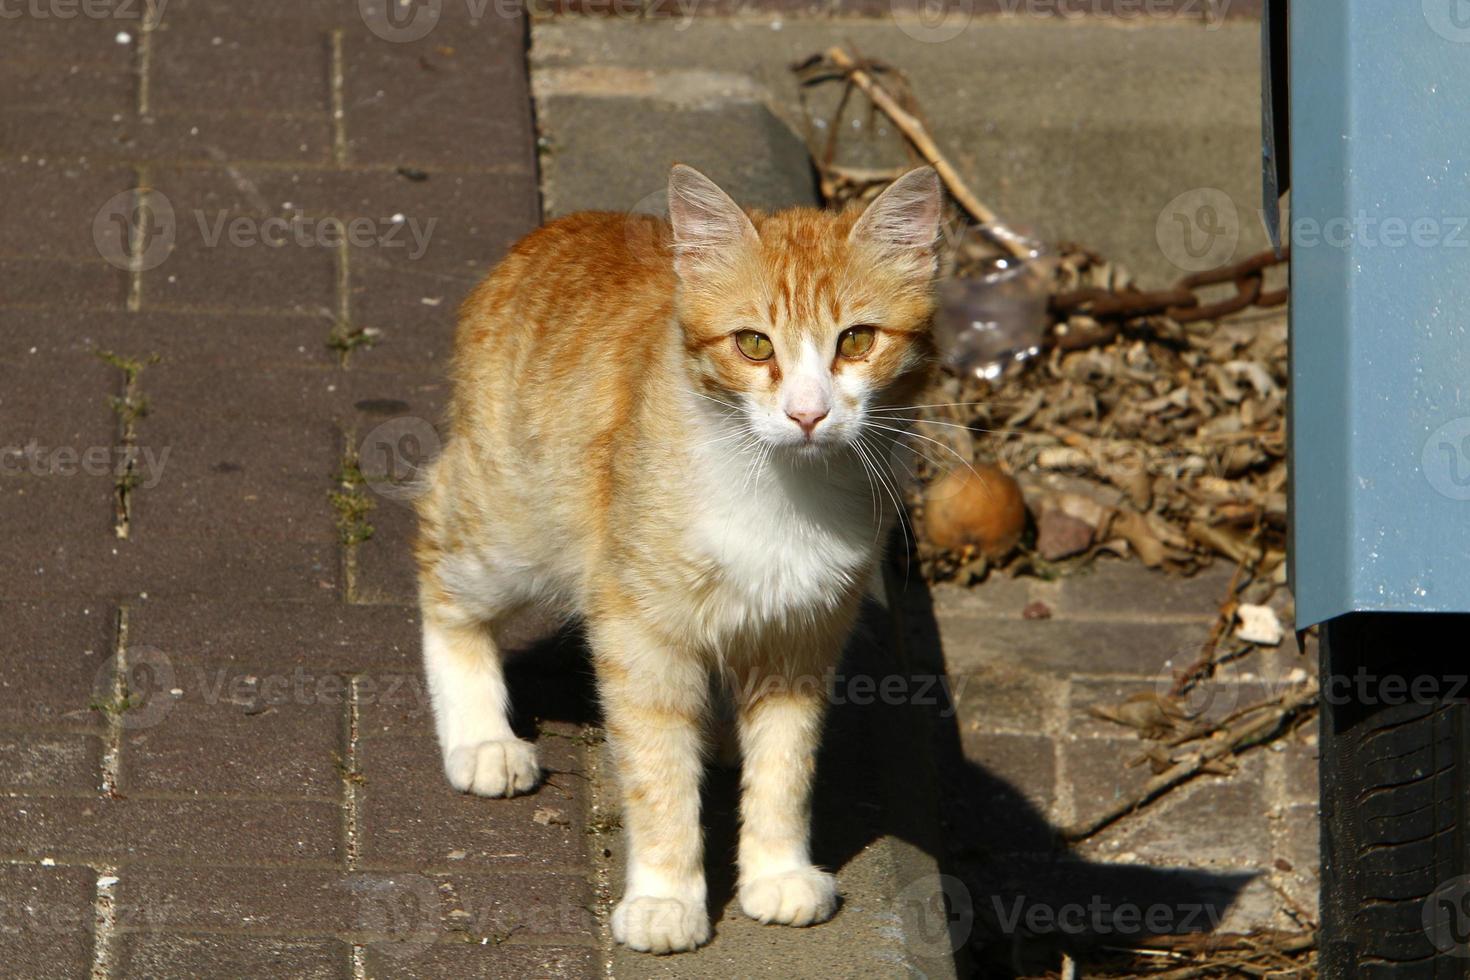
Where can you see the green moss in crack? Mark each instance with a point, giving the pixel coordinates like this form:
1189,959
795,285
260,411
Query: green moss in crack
352,503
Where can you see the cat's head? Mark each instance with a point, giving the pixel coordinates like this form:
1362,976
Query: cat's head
804,321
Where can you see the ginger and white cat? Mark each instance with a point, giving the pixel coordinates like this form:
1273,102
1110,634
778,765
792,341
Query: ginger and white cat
666,431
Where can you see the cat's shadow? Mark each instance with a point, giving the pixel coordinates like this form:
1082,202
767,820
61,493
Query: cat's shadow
1008,880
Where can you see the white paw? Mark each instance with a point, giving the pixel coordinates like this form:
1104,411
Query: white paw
792,898
504,767
660,925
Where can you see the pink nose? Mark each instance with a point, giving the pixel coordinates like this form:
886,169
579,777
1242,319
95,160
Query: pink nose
807,419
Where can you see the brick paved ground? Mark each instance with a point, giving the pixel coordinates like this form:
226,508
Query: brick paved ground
1234,851
214,752
215,757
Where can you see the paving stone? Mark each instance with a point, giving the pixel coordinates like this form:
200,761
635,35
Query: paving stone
247,568
414,312
389,86
1126,588
998,598
266,900
1130,12
238,475
53,524
245,64
771,172
70,34
232,730
204,136
386,571
164,955
60,343
1211,701
35,761
395,704
318,638
46,921
1299,759
70,284
1027,762
40,89
327,902
51,208
79,132
260,342
207,387
236,831
32,413
1212,821
1006,699
1047,900
444,221
514,906
411,815
1017,810
458,959
172,565
51,655
1298,855
1075,646
210,270
307,15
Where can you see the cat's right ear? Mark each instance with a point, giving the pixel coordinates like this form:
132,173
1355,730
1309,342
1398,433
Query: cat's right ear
708,225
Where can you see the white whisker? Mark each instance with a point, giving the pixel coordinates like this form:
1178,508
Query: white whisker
936,442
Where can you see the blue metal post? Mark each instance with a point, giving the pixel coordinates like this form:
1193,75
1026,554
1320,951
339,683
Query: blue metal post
1380,301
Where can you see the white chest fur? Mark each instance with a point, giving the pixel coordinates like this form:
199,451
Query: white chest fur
787,539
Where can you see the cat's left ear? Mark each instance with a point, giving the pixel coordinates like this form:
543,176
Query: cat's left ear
708,225
903,221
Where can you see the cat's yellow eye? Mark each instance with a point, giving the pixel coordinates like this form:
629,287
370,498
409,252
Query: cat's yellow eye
756,346
856,341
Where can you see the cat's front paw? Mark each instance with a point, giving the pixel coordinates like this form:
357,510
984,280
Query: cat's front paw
801,897
503,767
660,925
